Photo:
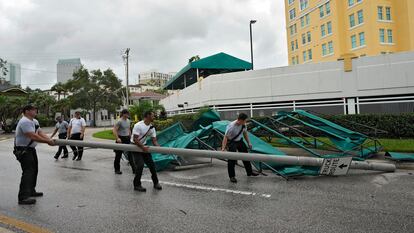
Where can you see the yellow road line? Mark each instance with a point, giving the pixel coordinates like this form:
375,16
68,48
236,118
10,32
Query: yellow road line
24,226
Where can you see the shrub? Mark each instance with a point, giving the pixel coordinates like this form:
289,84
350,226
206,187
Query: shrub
396,125
44,121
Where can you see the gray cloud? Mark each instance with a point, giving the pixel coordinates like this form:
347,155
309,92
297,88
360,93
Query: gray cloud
162,35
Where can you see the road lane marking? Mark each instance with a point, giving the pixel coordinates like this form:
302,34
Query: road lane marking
213,189
24,226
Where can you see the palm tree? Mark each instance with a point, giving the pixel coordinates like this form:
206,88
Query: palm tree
194,58
60,89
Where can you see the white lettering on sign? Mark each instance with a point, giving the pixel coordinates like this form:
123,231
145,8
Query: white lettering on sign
335,166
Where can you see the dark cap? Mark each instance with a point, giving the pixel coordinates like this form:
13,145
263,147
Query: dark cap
28,108
125,111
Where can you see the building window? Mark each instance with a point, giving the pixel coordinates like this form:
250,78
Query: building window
292,45
293,29
303,38
292,14
324,50
353,41
389,34
310,54
388,13
304,4
309,36
323,33
360,17
351,2
352,20
305,20
293,61
307,17
291,1
380,16
305,57
296,44
361,38
321,12
329,25
330,47
328,8
382,35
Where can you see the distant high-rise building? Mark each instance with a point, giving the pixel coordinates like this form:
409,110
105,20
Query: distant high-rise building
326,30
66,68
13,76
153,78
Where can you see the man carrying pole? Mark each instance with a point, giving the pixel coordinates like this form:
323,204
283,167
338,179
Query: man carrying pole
233,140
28,134
141,131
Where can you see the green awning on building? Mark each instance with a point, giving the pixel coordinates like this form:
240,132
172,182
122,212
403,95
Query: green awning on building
215,64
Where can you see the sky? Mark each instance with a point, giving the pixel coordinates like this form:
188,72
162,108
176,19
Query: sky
161,35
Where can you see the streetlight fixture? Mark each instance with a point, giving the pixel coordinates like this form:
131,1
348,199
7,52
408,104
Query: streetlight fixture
251,41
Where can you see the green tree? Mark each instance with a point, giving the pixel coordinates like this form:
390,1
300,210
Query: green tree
42,101
143,106
95,90
60,89
10,109
62,106
194,58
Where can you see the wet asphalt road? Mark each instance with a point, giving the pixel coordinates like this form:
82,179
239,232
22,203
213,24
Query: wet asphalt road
87,196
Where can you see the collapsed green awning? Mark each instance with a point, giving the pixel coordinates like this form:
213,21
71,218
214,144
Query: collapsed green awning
215,64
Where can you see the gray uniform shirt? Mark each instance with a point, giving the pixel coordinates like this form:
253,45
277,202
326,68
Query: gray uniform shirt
62,127
26,125
233,129
123,127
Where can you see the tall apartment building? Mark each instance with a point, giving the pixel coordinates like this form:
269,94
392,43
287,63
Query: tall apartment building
325,30
66,67
158,79
13,76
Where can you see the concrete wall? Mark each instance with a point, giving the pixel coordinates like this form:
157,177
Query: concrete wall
384,75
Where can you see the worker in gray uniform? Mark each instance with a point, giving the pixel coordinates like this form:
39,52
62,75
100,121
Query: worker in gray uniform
61,127
233,141
28,134
122,133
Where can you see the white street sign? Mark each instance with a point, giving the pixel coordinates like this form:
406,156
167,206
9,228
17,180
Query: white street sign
335,166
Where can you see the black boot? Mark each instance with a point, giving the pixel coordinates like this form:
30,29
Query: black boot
27,201
140,189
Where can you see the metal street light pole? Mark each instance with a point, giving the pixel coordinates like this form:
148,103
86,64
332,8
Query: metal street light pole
286,160
251,41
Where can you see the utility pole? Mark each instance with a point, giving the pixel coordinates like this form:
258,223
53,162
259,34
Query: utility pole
126,57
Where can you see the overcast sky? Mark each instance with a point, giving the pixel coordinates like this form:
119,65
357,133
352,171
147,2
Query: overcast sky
162,35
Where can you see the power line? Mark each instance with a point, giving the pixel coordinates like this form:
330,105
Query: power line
44,71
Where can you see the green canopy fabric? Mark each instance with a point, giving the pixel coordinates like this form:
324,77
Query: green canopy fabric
403,157
206,119
217,63
174,137
205,126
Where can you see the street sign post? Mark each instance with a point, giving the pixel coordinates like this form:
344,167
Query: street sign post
335,166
